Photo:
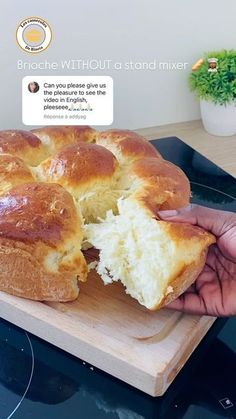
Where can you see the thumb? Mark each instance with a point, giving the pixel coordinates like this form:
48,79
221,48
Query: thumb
215,221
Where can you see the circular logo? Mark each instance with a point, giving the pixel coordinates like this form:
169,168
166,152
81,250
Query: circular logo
33,35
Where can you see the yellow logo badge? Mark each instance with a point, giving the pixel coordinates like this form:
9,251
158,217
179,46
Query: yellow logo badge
33,35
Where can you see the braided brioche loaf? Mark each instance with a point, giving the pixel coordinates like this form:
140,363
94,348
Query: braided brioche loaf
64,188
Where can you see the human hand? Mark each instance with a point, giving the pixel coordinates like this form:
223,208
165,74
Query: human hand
214,292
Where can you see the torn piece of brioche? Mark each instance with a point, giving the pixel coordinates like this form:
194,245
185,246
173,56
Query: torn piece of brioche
155,260
41,224
40,236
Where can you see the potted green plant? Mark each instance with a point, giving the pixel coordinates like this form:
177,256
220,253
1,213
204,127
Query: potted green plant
213,79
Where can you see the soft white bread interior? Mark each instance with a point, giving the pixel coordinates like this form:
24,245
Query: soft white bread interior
54,179
155,260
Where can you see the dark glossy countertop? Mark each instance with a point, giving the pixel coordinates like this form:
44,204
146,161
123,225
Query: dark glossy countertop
40,381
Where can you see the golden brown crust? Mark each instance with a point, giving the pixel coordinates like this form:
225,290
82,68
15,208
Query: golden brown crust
189,232
165,186
188,273
37,211
184,280
23,274
40,236
79,164
60,136
129,143
23,144
13,171
40,227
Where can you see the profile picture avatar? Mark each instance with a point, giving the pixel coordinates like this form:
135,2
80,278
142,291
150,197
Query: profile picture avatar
33,35
33,87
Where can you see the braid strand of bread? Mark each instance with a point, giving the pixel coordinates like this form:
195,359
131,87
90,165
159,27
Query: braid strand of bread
64,188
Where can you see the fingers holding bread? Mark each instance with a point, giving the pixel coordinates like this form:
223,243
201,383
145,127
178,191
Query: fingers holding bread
63,185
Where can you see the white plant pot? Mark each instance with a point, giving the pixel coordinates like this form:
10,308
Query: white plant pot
218,119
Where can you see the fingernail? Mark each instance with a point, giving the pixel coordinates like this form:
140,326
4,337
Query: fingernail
168,213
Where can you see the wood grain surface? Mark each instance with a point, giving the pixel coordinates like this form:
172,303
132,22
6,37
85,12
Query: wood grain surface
113,332
109,329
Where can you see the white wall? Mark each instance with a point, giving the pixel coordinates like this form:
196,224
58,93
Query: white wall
141,30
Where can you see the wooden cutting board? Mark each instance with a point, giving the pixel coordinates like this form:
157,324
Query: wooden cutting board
108,329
